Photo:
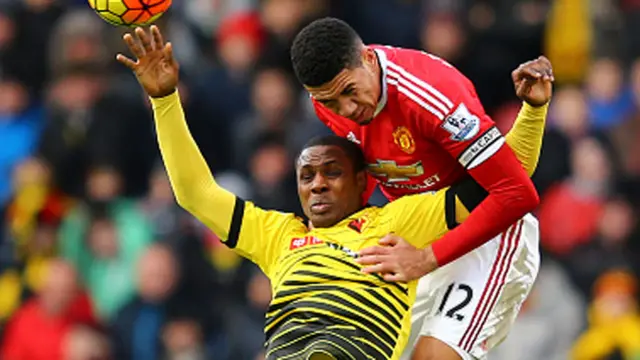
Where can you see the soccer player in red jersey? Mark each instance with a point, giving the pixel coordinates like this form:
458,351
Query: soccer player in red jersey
422,128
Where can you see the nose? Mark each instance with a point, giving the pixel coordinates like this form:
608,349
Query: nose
319,184
348,107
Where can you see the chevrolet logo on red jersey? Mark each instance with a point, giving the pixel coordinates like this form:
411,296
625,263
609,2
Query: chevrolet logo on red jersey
393,172
297,243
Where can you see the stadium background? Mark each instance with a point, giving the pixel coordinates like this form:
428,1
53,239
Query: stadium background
85,202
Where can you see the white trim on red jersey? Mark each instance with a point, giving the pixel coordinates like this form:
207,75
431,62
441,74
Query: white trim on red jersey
423,94
382,59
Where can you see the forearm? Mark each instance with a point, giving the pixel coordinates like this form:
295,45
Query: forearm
525,137
193,184
510,196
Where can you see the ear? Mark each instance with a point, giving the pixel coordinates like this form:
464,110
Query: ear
368,56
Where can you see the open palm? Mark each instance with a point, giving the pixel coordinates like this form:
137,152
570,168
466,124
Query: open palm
155,67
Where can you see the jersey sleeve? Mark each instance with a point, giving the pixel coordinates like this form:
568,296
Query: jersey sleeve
254,233
420,219
259,234
452,115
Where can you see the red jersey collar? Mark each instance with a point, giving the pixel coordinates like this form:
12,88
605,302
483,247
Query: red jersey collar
382,59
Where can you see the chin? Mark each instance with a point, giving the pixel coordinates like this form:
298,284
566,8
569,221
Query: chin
365,122
323,221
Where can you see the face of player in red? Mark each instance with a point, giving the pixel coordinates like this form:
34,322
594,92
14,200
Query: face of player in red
328,187
353,93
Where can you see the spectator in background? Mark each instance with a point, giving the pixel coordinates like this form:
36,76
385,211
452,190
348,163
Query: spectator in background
104,238
247,330
272,175
578,201
275,111
26,56
610,99
569,122
614,320
58,306
70,134
227,88
20,123
183,339
137,330
608,249
84,343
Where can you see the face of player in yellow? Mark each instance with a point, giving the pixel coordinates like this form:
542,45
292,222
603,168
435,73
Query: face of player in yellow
328,187
353,93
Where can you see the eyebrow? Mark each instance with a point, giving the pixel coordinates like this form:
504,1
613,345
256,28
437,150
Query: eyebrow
330,162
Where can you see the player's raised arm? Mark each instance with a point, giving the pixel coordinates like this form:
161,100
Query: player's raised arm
468,134
240,225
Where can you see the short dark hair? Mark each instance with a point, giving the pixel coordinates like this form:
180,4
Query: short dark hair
351,149
324,48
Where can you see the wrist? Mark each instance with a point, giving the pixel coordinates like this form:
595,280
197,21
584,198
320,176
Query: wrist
165,94
529,111
429,260
535,107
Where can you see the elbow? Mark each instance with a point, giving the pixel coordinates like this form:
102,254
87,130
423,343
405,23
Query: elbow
185,202
529,199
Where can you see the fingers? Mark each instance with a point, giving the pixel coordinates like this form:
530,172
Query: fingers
144,39
167,51
389,240
546,64
370,259
373,250
126,61
157,37
378,268
390,277
135,48
539,68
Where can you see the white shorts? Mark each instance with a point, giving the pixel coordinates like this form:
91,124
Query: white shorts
471,303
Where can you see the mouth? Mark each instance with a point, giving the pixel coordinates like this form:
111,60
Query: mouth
320,207
362,116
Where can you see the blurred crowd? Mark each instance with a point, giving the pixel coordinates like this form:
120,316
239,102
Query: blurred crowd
97,262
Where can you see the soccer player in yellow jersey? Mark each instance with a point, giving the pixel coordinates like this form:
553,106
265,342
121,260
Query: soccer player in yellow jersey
324,306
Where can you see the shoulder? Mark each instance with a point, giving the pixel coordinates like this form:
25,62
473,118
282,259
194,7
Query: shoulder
426,71
400,205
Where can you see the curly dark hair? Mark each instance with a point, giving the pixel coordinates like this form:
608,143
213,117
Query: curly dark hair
351,149
324,48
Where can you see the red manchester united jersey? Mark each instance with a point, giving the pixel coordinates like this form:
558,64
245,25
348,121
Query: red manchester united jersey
429,128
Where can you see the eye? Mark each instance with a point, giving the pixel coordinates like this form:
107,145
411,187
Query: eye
307,176
333,173
350,90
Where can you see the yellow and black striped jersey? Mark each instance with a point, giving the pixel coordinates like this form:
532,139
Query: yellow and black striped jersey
320,292
321,299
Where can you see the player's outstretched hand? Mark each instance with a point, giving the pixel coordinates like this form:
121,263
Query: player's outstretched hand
397,260
155,67
533,81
